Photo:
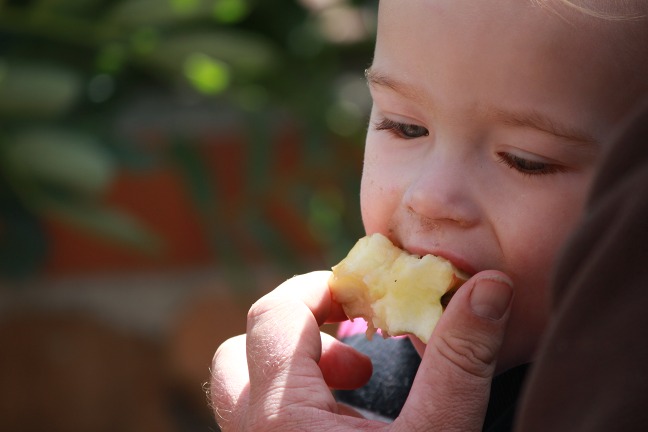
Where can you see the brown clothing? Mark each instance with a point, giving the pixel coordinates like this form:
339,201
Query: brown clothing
592,370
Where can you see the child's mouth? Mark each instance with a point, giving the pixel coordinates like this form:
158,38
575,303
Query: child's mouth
445,298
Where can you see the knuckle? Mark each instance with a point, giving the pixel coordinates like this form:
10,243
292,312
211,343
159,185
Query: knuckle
265,305
269,352
222,404
225,351
223,396
259,308
472,356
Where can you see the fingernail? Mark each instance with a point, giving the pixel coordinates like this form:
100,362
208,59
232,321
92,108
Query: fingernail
491,297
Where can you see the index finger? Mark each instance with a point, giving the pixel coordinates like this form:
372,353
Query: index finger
284,347
312,290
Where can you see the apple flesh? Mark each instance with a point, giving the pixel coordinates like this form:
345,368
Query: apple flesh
394,291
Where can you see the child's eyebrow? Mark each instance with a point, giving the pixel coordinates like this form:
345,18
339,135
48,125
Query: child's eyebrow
532,119
375,78
536,120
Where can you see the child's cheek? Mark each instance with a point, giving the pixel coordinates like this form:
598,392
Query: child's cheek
379,197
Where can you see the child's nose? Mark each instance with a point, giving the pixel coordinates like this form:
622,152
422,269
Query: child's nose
442,191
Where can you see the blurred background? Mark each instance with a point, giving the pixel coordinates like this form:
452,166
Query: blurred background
163,163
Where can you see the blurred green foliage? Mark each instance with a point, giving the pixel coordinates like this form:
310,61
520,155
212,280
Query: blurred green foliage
70,71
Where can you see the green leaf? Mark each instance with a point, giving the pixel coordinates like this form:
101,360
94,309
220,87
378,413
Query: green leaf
111,58
37,90
244,53
185,6
145,40
231,11
110,224
23,240
67,6
197,178
66,159
137,13
209,76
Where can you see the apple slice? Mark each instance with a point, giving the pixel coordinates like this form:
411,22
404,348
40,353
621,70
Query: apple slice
394,291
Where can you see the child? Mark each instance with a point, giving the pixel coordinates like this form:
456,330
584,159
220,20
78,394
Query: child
489,120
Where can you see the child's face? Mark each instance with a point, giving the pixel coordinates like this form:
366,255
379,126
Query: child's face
487,125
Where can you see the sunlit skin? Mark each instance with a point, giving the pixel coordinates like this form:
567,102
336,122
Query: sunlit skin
489,118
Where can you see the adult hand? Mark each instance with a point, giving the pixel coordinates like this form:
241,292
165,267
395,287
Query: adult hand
278,377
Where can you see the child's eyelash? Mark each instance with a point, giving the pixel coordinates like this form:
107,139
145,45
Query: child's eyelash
523,166
401,130
529,167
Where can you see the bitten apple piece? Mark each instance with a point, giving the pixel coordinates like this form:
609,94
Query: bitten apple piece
392,290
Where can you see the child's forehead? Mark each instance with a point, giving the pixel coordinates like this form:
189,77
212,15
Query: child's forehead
622,30
622,24
463,54
608,10
512,23
612,37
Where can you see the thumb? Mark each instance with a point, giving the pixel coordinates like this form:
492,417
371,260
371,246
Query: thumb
451,389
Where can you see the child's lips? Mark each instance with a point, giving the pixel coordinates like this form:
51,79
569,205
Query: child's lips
459,262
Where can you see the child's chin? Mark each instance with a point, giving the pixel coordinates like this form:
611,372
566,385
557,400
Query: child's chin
418,344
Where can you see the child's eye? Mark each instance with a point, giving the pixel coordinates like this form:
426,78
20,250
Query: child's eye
402,130
527,166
